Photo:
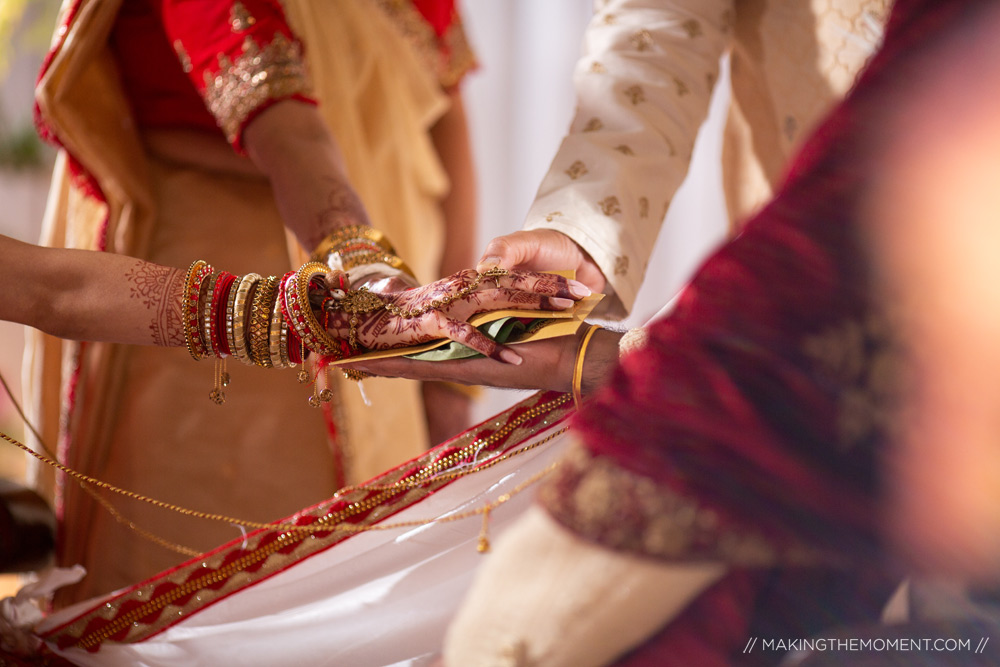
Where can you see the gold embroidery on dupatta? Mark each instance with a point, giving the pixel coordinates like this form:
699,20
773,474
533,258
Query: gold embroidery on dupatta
861,358
449,63
621,265
258,75
624,511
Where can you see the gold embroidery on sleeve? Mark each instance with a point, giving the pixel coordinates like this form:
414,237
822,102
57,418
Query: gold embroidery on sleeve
642,40
610,19
692,28
576,170
183,56
256,76
593,125
610,205
635,94
553,215
240,18
621,265
597,68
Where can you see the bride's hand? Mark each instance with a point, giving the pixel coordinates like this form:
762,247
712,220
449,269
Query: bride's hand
440,310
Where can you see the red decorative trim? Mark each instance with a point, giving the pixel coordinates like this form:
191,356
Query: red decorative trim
141,611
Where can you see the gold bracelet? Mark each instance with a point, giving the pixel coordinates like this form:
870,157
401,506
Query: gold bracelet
191,308
581,353
260,320
276,341
356,245
238,344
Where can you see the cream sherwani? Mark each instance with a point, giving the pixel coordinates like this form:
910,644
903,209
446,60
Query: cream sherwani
643,90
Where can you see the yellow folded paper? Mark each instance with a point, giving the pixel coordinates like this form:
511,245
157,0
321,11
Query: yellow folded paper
560,323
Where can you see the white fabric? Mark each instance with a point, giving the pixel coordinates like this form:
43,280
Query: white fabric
378,598
658,129
19,614
547,597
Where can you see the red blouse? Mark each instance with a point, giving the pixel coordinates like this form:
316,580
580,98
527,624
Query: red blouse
215,65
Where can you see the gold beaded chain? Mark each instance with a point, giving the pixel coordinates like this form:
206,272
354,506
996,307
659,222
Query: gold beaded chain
362,301
322,524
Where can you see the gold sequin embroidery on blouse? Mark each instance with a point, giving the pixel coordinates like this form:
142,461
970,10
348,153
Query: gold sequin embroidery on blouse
635,94
240,18
260,74
576,170
610,205
553,215
182,56
593,125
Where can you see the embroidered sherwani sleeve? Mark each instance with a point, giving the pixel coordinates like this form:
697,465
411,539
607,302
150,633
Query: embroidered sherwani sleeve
643,88
241,56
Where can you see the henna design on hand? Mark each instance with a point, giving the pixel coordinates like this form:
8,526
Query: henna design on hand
160,289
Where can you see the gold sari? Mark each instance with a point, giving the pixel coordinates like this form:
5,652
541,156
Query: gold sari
140,417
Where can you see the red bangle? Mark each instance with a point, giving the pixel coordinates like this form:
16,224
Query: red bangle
217,327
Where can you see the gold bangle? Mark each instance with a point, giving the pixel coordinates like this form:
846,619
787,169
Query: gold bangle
313,334
581,353
238,344
191,308
260,321
356,245
276,341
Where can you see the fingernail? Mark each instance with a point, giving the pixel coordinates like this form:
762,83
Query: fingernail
490,262
556,302
578,289
510,357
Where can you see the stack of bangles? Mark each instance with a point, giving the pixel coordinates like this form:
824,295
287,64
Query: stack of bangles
270,322
265,322
362,251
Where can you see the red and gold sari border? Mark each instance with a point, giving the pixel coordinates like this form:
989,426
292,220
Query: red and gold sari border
152,606
624,511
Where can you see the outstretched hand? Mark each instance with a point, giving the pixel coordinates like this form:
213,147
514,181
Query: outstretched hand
441,310
542,250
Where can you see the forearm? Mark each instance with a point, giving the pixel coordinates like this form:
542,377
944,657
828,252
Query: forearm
451,138
86,295
290,143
